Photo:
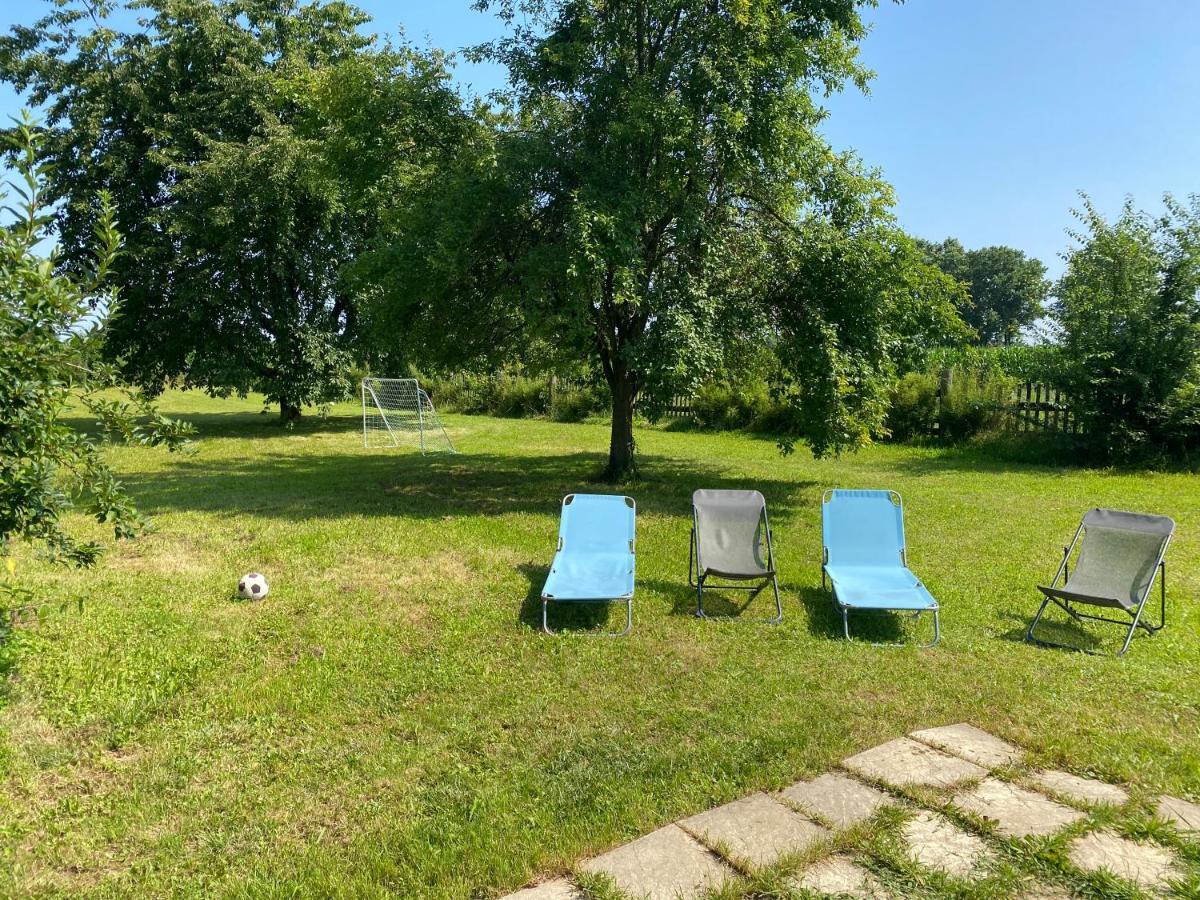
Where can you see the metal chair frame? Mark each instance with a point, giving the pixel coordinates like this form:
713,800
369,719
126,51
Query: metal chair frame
1064,603
699,580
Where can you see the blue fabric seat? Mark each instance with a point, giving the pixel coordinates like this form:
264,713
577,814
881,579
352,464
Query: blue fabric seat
591,576
865,557
595,561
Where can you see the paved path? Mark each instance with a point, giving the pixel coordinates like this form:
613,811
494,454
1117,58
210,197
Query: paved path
960,790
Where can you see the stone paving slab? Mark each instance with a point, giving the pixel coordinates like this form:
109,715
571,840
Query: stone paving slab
558,889
1183,815
1016,812
936,843
839,800
755,830
905,762
1080,790
971,743
667,864
841,877
1146,865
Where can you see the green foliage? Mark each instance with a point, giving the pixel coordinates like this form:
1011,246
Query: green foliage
724,406
249,147
506,394
657,194
974,404
1040,363
913,410
47,464
516,395
958,404
1128,308
1007,288
576,403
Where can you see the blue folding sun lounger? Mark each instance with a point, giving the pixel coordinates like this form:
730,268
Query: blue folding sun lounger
594,562
865,557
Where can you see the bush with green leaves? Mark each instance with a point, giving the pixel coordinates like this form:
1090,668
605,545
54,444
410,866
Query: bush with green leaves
1128,308
959,404
572,403
974,404
48,463
913,412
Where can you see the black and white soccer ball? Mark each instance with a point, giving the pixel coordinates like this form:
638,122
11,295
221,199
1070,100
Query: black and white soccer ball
253,586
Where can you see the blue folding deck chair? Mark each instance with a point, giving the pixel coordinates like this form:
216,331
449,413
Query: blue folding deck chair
865,557
594,561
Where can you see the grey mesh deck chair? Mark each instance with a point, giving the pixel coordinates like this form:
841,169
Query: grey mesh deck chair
594,561
731,541
1120,554
866,558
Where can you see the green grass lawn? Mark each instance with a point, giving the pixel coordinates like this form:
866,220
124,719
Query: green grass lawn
392,720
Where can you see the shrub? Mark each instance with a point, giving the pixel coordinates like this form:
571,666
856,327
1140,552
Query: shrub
914,407
721,407
517,396
576,404
507,395
1128,307
744,405
972,403
452,394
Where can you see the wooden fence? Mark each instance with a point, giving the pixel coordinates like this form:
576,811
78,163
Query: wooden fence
1040,407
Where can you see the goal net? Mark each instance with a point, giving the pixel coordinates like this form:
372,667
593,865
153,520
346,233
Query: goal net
397,413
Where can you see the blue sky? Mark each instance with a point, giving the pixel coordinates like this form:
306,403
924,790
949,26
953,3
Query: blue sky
988,116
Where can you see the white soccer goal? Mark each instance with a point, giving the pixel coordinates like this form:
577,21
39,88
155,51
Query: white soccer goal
397,413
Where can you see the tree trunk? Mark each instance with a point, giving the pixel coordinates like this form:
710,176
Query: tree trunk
288,411
620,447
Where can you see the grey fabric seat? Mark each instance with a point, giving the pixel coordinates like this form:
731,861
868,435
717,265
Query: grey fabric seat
1120,554
731,540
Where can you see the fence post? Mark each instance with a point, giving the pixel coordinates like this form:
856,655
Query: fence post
945,381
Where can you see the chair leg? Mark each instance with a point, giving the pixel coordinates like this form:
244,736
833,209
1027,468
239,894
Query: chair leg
778,603
1134,625
937,629
754,592
691,557
1037,618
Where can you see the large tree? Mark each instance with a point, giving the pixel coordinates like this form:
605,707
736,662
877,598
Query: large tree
247,146
656,192
1007,289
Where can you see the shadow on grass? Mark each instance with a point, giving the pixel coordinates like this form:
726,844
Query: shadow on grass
381,483
566,617
1057,631
825,620
735,605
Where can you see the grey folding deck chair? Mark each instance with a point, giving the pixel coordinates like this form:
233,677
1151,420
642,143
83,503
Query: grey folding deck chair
731,541
1119,557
